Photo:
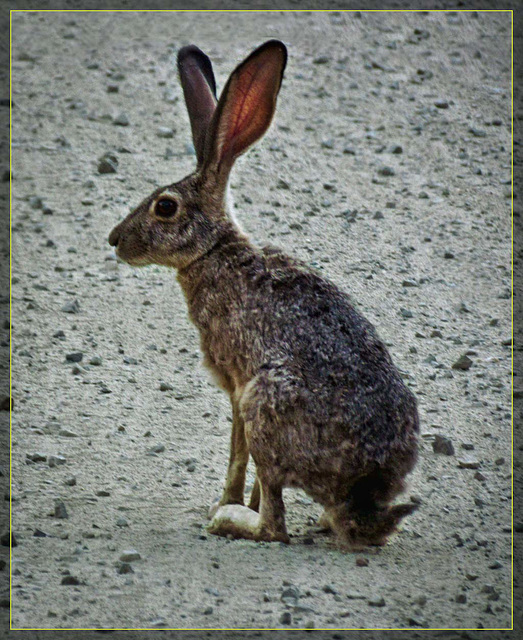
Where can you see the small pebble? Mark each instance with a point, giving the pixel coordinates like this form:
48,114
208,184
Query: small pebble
130,555
285,617
478,133
463,363
59,509
386,171
442,444
157,448
165,132
376,602
121,120
283,184
468,463
71,307
35,202
36,457
329,588
66,433
108,163
76,356
55,461
123,568
290,595
4,539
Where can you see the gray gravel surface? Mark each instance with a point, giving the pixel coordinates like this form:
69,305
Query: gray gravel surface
388,168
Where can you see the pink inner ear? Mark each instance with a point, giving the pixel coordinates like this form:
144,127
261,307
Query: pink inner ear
250,103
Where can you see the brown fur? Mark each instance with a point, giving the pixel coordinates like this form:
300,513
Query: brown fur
316,399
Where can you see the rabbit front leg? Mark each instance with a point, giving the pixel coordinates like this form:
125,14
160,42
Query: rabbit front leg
238,458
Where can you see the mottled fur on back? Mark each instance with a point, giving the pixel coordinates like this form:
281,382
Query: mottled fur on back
262,313
316,398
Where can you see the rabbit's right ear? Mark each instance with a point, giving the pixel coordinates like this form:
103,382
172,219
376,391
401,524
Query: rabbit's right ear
199,90
245,108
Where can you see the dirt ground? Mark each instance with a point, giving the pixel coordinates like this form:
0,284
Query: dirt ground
388,168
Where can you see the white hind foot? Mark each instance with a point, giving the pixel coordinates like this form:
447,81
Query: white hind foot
235,520
241,522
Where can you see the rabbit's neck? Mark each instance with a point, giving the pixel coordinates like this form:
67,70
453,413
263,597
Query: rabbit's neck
214,287
199,279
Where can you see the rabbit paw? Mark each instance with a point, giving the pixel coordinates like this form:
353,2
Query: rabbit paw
217,504
238,521
235,520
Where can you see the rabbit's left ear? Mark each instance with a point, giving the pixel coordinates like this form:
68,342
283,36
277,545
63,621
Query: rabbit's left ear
246,106
199,90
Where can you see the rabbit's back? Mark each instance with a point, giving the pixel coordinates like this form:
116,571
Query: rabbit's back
317,360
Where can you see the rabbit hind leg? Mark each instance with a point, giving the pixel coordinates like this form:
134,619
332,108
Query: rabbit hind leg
254,501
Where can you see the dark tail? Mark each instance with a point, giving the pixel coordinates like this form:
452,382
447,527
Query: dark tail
366,517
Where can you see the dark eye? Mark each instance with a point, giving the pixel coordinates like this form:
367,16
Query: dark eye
166,208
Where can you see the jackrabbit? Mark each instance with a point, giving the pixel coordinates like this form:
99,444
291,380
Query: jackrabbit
316,399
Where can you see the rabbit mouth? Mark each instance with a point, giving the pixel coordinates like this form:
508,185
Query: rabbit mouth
134,261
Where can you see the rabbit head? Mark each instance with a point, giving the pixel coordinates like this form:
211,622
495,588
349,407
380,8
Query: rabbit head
183,221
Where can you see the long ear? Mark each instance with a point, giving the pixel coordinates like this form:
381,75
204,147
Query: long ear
246,106
199,90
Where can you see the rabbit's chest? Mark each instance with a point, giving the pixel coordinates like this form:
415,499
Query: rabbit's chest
227,359
229,371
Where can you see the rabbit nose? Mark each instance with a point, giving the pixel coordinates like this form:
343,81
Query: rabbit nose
114,236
